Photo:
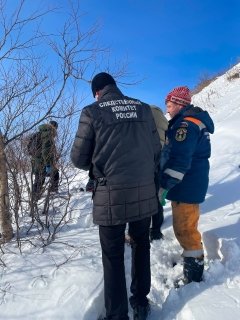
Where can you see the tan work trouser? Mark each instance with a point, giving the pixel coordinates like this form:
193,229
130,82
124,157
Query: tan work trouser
185,223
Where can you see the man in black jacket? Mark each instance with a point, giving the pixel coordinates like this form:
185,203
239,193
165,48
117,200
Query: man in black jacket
117,138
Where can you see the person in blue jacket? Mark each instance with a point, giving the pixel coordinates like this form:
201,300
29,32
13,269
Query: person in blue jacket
185,175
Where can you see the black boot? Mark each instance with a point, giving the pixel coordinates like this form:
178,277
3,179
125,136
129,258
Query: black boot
193,269
141,312
155,234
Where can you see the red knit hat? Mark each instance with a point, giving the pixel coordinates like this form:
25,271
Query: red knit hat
179,95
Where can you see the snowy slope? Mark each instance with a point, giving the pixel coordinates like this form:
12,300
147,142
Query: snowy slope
64,280
219,296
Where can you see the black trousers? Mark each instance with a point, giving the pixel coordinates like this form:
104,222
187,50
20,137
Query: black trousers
157,219
39,180
112,239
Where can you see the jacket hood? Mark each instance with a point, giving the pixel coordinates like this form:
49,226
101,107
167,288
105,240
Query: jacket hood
200,114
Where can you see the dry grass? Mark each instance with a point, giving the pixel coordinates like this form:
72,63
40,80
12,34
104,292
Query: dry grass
204,81
233,74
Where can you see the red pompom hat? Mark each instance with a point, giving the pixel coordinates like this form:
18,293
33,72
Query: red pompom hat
179,95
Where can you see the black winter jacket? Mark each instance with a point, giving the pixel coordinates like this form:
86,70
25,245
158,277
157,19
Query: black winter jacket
117,138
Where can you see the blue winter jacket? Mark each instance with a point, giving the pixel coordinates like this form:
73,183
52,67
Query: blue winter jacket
184,162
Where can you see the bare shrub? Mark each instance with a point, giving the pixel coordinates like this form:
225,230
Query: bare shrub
233,74
35,90
203,82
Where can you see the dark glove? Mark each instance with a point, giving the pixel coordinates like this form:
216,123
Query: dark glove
162,196
90,185
48,170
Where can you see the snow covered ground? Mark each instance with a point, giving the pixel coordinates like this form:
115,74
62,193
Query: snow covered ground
63,280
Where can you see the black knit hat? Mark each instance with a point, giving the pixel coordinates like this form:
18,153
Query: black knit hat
54,123
101,80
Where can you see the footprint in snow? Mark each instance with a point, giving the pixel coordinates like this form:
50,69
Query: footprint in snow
39,282
67,294
59,272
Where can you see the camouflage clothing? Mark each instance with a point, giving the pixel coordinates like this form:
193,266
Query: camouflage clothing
46,151
45,155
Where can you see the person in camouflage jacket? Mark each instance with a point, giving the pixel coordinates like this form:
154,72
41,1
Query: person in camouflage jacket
44,159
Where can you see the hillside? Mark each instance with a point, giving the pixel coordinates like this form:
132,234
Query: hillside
64,281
